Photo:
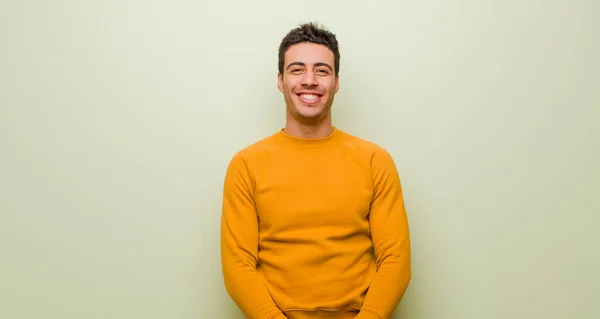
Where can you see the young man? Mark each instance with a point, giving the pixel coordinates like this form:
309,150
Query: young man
313,222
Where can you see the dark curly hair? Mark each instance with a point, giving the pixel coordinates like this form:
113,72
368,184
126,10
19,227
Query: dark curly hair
310,32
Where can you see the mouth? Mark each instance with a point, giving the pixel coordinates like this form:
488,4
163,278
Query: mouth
309,97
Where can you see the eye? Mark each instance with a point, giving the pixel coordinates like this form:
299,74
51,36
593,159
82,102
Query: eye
322,72
298,70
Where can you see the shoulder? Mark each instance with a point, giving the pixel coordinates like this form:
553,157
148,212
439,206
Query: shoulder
263,145
370,149
379,160
250,152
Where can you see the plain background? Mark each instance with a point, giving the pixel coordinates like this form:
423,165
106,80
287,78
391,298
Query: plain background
118,119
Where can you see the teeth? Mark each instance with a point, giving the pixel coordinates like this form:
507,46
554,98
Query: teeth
309,97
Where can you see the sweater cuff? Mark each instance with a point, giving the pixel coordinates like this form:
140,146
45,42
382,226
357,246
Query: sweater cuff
364,314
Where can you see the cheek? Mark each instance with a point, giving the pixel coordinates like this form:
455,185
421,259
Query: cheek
329,85
291,83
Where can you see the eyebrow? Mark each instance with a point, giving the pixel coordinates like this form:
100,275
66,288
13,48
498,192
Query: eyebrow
316,64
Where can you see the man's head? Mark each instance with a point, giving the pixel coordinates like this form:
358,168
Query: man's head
309,62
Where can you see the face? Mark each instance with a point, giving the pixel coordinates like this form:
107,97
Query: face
308,82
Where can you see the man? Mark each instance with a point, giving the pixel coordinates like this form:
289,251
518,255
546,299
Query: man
313,222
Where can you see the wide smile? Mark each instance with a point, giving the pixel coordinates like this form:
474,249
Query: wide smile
309,98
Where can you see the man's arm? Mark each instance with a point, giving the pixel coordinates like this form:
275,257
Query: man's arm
239,245
390,235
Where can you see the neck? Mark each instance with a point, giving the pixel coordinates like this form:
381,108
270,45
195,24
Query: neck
319,129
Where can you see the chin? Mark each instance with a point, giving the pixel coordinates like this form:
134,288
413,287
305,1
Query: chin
309,112
309,117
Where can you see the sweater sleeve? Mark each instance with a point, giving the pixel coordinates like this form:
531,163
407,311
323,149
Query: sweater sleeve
391,241
239,245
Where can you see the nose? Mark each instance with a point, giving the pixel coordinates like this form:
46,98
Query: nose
309,79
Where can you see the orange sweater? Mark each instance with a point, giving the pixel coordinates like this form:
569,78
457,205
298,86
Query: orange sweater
314,228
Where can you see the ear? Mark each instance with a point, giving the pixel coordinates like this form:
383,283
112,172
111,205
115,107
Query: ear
337,84
280,82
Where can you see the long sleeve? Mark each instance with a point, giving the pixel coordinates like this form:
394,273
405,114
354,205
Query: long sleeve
239,245
391,240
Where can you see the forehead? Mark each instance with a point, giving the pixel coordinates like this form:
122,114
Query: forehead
309,53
